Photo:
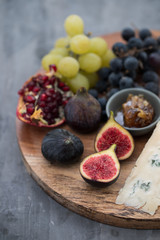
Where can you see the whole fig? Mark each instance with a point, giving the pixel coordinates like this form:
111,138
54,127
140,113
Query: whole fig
60,145
83,111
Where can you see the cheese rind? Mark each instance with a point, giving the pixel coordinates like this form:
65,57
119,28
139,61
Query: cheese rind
142,187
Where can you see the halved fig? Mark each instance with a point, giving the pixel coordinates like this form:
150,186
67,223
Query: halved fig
113,133
42,100
101,169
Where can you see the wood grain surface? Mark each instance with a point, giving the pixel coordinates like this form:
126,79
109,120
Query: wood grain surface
65,185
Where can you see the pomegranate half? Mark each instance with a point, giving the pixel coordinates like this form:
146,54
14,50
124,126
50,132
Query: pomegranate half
42,100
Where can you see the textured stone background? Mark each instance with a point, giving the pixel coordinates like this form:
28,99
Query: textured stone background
28,30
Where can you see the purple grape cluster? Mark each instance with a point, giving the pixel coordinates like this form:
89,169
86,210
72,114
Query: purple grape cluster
136,64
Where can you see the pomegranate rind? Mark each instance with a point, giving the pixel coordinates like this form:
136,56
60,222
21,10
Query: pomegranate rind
112,124
39,123
21,105
106,181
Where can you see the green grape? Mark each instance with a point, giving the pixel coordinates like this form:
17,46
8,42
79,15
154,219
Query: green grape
68,67
98,45
80,44
90,62
62,42
50,59
92,78
107,58
77,82
73,25
62,51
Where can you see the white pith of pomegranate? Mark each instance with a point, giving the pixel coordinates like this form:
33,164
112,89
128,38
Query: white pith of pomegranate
42,100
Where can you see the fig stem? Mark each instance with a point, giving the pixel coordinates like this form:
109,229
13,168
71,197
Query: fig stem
111,115
113,147
82,91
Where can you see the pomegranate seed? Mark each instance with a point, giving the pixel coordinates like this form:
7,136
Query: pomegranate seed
51,121
30,86
41,82
52,80
34,79
65,89
43,97
30,109
45,78
61,84
52,105
46,84
58,95
59,98
42,104
48,116
46,110
48,92
64,102
21,92
36,89
49,99
51,90
29,99
52,66
54,96
55,112
24,115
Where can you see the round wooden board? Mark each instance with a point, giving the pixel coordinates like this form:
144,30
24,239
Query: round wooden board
65,185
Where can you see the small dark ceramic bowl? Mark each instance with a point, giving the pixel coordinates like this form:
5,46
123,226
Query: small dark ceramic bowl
115,104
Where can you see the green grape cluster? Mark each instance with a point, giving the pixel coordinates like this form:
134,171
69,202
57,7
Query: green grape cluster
78,56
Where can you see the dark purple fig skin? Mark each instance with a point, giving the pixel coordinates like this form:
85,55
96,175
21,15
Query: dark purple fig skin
60,145
83,111
95,183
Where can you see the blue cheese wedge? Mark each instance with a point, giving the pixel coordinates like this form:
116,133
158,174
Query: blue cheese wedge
142,187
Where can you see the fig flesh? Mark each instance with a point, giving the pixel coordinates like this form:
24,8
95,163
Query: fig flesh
114,133
83,111
60,145
101,169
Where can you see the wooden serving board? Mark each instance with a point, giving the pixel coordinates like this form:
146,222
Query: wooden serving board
65,185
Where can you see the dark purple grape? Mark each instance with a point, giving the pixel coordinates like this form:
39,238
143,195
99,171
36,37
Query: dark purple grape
119,48
135,43
127,33
153,87
150,76
126,82
154,60
101,86
102,101
158,41
150,43
142,56
112,92
132,74
104,73
114,79
104,117
144,33
136,85
116,64
93,92
131,63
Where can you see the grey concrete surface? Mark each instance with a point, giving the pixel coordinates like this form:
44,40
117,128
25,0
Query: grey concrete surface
28,30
